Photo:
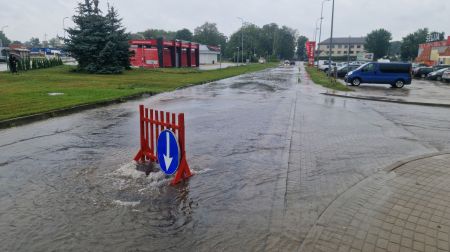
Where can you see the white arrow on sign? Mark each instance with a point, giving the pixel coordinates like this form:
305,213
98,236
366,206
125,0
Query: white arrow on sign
167,158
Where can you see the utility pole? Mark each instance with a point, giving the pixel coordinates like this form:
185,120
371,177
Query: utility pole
320,32
237,57
242,38
348,54
331,37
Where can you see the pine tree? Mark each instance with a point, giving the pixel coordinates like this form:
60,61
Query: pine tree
99,43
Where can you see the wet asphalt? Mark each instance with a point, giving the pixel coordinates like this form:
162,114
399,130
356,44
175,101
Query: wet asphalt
263,149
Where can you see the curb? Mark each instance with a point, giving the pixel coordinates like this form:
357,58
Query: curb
317,228
381,99
412,159
66,111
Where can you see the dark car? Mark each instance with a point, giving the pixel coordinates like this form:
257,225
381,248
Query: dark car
422,72
342,71
439,67
437,75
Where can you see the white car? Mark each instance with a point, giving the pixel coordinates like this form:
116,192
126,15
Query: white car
324,65
446,76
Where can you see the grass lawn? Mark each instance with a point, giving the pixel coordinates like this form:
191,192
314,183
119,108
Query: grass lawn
322,79
27,93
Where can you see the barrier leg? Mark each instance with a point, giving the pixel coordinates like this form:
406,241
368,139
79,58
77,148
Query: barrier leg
183,171
140,155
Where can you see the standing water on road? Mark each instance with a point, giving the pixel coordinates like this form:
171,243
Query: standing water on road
68,183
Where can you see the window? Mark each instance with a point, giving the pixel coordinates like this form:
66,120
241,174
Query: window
368,68
394,68
339,52
328,47
359,46
339,46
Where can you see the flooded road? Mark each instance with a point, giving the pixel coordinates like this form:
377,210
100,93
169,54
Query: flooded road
268,151
69,184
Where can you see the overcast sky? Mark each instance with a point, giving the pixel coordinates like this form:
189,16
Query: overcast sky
35,18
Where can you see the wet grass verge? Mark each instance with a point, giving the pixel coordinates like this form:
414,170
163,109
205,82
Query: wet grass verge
59,88
322,79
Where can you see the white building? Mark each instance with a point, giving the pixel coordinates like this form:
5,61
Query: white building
209,54
340,47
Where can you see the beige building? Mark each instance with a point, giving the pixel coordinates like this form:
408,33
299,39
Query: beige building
340,46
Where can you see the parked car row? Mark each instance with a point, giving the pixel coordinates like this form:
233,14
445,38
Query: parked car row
395,74
446,75
341,67
431,73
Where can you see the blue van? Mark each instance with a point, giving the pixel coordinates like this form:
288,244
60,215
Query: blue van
396,74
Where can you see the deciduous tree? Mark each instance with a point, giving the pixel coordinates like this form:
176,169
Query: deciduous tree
377,42
410,44
4,40
301,48
208,34
184,34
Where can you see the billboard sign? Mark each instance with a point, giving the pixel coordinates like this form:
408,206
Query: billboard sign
310,50
364,56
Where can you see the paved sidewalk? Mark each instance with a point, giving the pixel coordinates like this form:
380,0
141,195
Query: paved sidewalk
404,209
420,92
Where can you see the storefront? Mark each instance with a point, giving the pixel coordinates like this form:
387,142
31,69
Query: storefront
434,53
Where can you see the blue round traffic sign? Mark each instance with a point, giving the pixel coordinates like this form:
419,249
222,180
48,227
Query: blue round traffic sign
168,152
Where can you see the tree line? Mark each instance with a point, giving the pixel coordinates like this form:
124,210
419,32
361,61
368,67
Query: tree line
268,41
379,42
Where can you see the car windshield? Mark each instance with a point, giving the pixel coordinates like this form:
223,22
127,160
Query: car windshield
360,67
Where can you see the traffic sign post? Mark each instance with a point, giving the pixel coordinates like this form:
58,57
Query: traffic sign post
169,153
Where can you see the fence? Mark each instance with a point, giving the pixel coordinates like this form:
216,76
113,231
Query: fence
151,123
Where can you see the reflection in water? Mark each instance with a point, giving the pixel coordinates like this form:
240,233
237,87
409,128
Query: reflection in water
67,183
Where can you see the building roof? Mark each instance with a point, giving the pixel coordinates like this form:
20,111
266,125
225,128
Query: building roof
347,40
209,49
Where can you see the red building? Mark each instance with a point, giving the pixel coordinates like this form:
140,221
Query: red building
155,53
434,53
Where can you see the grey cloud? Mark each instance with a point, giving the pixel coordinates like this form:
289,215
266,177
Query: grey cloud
31,18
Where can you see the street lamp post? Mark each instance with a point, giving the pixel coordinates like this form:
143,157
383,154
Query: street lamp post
315,30
242,39
64,28
237,57
320,31
331,37
220,57
315,37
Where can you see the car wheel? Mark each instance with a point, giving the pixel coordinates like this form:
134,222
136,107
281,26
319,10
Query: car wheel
399,84
356,82
423,76
439,78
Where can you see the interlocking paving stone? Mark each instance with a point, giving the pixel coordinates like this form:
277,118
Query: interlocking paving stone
406,209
